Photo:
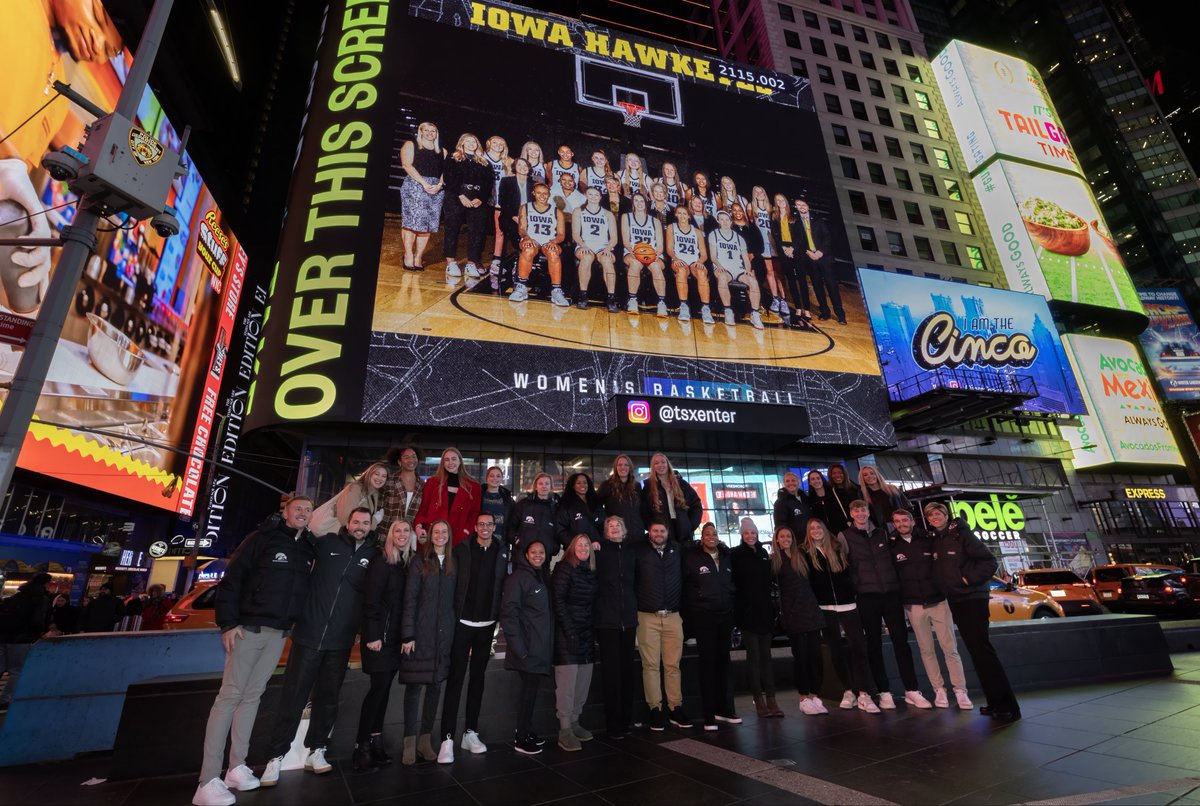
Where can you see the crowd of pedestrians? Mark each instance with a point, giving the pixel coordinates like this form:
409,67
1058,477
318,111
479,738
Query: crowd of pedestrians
591,575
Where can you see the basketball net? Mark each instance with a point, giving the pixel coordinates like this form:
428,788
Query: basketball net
632,112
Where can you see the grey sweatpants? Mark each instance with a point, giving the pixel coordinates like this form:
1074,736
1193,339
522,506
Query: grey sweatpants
571,686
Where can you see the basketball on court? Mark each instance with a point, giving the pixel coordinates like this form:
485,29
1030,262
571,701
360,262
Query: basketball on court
645,253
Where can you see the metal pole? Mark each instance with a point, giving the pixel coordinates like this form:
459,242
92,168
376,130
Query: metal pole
79,240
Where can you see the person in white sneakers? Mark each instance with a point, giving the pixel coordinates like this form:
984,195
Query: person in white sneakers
927,609
877,593
800,617
258,600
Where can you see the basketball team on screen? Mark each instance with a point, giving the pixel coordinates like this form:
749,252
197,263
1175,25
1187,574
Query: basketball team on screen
621,221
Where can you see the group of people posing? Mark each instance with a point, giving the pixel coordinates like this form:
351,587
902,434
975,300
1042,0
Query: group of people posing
612,574
622,220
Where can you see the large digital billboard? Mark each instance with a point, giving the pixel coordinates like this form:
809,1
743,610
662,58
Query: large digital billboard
425,288
133,384
1126,423
925,326
1171,343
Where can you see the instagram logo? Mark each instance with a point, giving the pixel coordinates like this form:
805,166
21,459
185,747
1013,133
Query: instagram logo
639,411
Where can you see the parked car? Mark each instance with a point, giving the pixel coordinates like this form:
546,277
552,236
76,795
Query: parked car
1006,602
1106,579
1075,596
1166,592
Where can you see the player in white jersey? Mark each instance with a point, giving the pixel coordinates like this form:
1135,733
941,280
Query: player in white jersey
633,177
498,160
542,230
686,248
595,231
640,229
565,164
731,261
595,174
760,210
565,195
532,151
676,190
728,195
702,190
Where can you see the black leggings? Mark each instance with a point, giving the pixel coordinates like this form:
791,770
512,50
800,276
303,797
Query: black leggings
850,663
374,705
808,667
529,691
412,701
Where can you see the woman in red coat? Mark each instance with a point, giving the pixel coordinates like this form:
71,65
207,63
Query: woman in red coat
451,495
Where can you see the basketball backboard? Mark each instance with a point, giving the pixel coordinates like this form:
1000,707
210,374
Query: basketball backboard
605,85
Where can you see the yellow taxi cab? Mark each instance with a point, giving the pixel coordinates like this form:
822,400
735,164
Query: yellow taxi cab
1106,579
1064,586
1006,602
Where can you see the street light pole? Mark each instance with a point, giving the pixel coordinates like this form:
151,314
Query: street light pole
79,239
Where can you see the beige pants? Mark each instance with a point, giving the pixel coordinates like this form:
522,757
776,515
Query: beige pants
926,623
660,641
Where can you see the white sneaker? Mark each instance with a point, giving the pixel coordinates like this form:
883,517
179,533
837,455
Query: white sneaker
446,751
316,762
756,320
557,297
730,319
865,703
494,268
706,315
632,305
473,270
817,706
917,699
452,269
662,309
940,699
685,313
520,293
806,707
964,702
886,701
214,793
270,775
242,779
471,741
848,700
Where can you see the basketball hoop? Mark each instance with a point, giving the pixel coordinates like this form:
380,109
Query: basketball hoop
632,112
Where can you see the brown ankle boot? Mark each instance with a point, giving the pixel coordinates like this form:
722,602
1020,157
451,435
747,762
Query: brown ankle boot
410,751
760,707
425,748
773,707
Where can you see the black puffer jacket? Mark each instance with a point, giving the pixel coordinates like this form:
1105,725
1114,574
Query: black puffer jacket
707,585
753,610
628,509
833,508
959,554
266,579
830,588
659,577
23,619
798,608
871,561
574,590
429,622
576,516
383,609
616,581
462,572
914,566
527,621
687,517
793,512
333,612
530,520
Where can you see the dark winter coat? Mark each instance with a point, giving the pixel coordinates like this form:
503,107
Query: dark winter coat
532,519
616,586
333,612
798,608
383,609
871,560
23,615
103,613
574,590
659,577
707,585
833,508
428,621
914,567
628,509
829,587
959,554
753,609
462,572
498,509
266,579
575,516
687,516
527,621
793,512
883,504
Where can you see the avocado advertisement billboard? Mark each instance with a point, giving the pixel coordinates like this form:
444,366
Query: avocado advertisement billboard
133,384
1126,423
1171,343
564,215
924,326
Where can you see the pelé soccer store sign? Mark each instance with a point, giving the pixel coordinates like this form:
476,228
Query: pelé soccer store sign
1126,422
993,518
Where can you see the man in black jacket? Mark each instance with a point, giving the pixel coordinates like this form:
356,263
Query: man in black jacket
926,608
962,569
22,621
258,600
616,624
877,590
660,627
104,612
322,641
481,563
708,602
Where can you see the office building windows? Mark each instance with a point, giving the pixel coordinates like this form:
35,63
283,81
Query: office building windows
791,39
799,67
912,211
812,20
882,40
924,248
914,74
867,141
903,180
884,116
859,110
975,258
875,171
964,223
866,239
832,104
843,54
849,168
868,61
953,191
939,218
824,74
905,47
858,203
899,95
851,81
859,33
891,68
875,87
841,135
886,208
835,28
818,46
909,123
932,129
893,147
896,244
942,158
786,13
922,100
918,152
950,253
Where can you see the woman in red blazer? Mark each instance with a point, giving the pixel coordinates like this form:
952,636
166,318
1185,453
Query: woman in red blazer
450,495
